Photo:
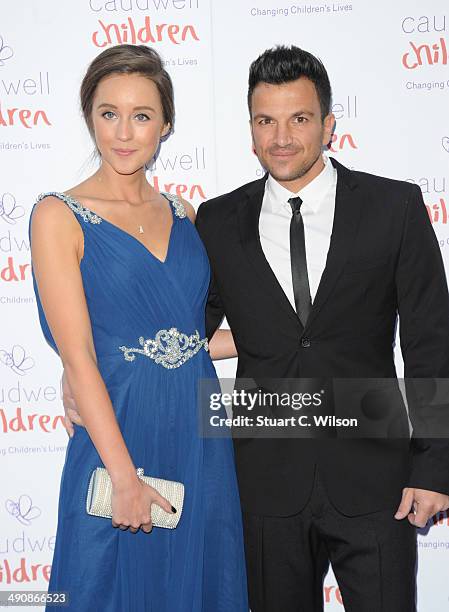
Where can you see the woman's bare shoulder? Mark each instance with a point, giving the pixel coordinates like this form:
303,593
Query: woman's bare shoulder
52,212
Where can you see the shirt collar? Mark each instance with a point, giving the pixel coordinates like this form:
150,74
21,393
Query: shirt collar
312,194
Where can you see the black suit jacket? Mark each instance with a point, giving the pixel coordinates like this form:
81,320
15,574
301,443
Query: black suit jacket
383,260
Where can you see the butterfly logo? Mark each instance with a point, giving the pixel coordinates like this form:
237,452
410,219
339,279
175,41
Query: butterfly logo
23,509
16,360
9,211
5,52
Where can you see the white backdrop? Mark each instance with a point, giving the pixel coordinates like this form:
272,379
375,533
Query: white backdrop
388,63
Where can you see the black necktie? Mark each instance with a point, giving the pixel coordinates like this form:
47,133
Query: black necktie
301,289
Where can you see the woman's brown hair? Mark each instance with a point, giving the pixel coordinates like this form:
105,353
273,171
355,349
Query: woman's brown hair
128,59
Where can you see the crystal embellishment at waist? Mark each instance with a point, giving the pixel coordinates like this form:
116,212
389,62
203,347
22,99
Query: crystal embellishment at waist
170,348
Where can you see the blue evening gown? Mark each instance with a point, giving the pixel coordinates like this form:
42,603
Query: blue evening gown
199,566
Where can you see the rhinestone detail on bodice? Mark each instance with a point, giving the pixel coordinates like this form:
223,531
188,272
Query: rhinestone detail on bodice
170,348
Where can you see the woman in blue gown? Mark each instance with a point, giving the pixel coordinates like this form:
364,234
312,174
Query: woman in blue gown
115,264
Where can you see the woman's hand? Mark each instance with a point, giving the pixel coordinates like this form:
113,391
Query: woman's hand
131,505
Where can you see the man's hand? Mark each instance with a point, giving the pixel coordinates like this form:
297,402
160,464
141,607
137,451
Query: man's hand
71,414
425,504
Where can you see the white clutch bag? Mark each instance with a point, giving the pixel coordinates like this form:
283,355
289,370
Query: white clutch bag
99,497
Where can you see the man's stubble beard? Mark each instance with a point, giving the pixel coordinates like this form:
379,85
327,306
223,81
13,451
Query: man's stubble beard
297,173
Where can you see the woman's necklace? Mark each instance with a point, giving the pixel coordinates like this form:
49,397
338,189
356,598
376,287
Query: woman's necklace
140,229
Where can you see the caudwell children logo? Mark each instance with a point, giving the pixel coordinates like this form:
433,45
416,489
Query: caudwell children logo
427,42
14,244
345,111
6,52
145,32
16,113
17,360
25,117
9,210
23,509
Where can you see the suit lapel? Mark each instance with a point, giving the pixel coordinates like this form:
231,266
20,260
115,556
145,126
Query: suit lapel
344,230
249,213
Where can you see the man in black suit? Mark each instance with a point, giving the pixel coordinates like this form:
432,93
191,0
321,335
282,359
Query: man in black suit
312,266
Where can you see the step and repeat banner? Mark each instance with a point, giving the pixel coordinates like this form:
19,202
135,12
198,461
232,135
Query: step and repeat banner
388,64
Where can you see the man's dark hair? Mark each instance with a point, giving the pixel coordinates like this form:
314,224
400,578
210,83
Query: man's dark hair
283,64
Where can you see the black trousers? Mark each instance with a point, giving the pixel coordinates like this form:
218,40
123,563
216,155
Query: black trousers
373,558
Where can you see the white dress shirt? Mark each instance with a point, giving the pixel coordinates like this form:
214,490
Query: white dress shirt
317,210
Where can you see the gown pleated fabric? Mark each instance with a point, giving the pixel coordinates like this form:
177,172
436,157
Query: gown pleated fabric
199,566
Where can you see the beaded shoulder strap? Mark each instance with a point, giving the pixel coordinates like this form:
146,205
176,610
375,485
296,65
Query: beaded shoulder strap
179,208
90,217
87,215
